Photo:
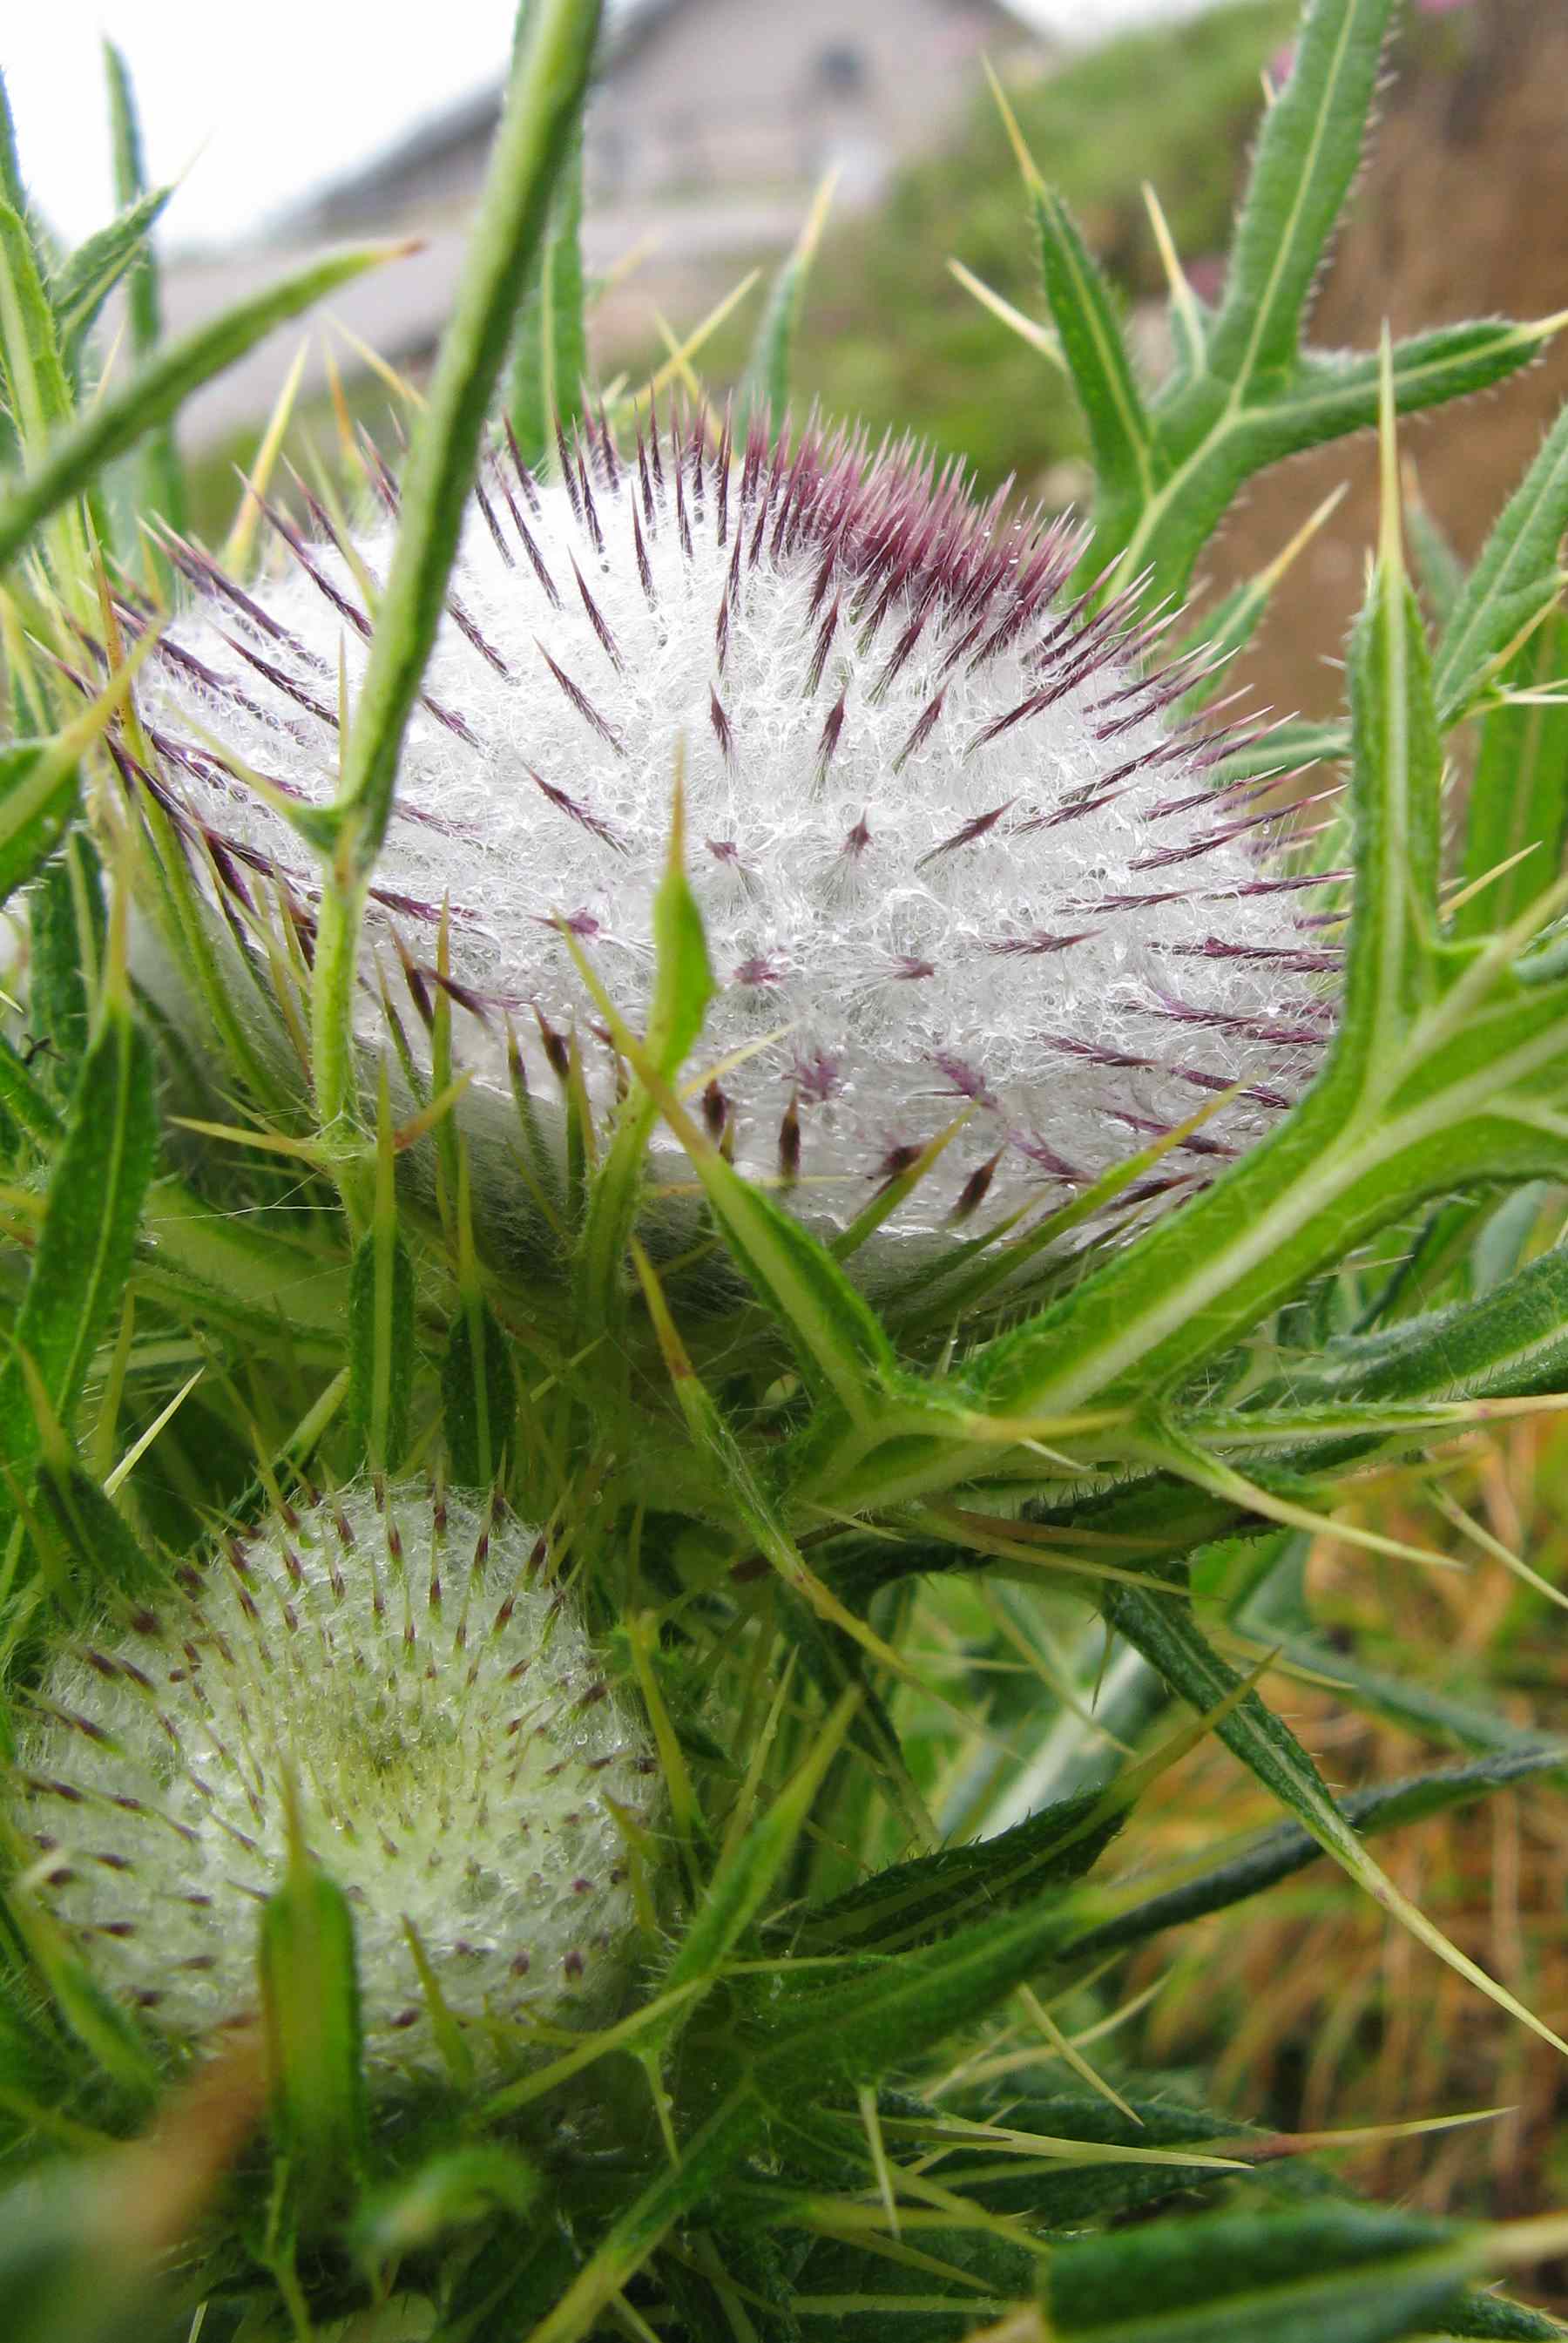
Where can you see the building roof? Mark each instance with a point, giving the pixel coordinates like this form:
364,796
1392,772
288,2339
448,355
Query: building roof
369,190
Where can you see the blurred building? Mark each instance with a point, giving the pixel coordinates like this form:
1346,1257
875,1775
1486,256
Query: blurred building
698,97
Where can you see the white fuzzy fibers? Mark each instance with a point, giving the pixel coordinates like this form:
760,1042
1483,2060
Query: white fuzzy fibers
453,1745
1099,957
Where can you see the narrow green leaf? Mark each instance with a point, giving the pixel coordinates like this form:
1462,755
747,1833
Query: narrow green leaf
916,1901
160,483
38,785
1514,579
31,371
549,362
1439,571
1279,1853
543,107
478,1394
84,1247
893,2009
106,1555
683,978
1519,797
683,987
1510,1343
1307,156
106,2031
67,923
91,274
310,2013
1169,1638
1315,2274
706,2159
156,392
765,385
744,1878
23,1099
1095,351
12,190
381,1319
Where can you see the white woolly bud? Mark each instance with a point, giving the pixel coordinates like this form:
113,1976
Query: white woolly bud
455,1751
951,850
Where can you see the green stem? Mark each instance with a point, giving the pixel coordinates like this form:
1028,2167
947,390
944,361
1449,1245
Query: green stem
542,110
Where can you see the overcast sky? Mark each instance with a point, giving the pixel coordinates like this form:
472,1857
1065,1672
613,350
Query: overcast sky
257,104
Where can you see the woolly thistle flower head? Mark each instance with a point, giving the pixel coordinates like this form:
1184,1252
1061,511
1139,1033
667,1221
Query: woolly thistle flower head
953,847
456,1756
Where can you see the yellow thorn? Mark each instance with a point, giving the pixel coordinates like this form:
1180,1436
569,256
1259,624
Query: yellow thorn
235,554
1026,162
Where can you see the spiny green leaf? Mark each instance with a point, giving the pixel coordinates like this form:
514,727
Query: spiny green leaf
1317,2274
1514,579
704,2160
1511,1343
31,369
103,2029
105,1551
67,923
23,1099
1279,1853
160,474
1487,2319
86,282
1307,156
84,1247
914,1902
11,189
744,1878
1092,343
38,785
893,2009
947,2288
1519,797
1169,1638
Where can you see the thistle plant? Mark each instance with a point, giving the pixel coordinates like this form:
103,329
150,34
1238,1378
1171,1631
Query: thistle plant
702,1195
955,853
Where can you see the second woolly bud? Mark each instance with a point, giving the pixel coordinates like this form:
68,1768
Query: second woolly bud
402,1669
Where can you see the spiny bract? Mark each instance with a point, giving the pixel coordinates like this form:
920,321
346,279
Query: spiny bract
954,846
455,1751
